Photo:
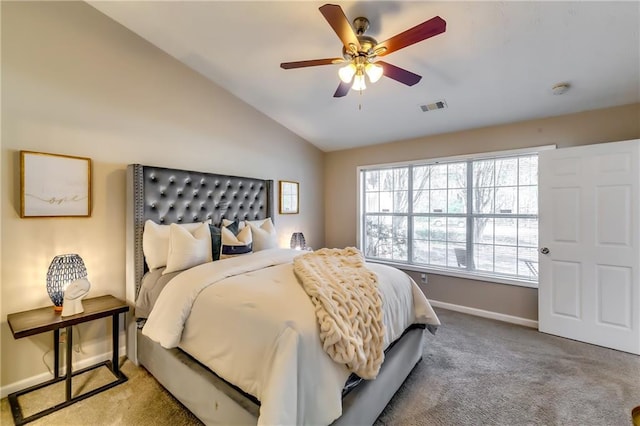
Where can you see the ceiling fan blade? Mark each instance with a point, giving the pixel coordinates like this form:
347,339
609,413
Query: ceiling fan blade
340,24
342,90
310,63
399,74
427,29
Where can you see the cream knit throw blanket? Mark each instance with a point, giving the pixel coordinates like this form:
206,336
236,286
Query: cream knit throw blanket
348,307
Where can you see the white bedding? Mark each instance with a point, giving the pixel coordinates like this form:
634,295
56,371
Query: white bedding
255,327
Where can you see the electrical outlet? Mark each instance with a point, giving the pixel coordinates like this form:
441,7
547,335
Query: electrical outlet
423,278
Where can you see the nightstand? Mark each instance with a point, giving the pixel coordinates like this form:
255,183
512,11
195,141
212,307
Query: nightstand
36,321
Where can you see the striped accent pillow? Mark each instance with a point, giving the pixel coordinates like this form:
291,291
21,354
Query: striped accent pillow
235,241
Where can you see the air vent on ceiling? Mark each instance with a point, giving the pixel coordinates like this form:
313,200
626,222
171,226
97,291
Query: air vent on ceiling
436,105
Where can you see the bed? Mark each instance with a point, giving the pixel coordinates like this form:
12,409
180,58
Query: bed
166,196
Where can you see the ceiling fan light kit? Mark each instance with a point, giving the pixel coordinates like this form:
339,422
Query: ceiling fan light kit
361,51
357,69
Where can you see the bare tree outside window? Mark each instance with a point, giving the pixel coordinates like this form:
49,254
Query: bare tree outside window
387,195
474,215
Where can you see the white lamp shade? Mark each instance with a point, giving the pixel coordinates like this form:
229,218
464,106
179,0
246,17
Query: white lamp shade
358,82
347,72
374,71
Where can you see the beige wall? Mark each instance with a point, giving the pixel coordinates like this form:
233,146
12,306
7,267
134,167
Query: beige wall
75,82
606,125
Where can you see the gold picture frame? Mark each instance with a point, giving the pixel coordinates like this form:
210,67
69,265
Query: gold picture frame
289,197
53,185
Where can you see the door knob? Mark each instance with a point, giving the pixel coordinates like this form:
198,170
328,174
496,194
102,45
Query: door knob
544,250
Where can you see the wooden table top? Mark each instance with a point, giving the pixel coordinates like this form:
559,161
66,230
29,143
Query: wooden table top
36,321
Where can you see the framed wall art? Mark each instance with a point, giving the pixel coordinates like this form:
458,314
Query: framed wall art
54,185
289,197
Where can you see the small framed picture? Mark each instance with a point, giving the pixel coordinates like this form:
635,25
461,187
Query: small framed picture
289,197
54,185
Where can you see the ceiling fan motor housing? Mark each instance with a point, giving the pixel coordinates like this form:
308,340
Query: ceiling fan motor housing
367,43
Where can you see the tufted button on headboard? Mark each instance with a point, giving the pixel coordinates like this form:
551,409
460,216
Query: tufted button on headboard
168,196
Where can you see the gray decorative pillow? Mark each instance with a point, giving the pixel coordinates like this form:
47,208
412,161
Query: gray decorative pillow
235,241
216,241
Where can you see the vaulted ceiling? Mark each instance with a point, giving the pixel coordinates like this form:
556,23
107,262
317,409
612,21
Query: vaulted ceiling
496,63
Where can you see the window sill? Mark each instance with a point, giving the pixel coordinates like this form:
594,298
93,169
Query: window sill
458,274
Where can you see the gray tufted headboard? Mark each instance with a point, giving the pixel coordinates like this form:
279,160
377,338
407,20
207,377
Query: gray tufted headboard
181,196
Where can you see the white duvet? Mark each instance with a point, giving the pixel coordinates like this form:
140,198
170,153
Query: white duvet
248,319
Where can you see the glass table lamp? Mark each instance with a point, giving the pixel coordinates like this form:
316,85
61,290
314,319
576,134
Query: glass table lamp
64,269
297,241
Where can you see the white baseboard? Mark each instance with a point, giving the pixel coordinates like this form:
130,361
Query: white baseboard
40,378
485,314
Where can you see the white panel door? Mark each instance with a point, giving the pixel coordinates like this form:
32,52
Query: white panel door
589,287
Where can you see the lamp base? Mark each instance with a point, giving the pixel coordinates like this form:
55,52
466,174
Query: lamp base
72,303
57,309
72,307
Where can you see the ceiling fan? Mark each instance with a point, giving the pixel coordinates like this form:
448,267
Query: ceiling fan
360,51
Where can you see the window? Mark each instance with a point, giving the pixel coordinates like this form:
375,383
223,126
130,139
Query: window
474,216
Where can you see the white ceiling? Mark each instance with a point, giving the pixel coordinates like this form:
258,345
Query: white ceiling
495,64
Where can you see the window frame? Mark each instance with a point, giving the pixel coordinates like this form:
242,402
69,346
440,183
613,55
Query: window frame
469,215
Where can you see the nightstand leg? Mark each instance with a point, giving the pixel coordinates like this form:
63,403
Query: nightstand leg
115,332
69,356
56,353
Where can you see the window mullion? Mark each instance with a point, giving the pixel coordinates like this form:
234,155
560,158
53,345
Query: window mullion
470,224
410,214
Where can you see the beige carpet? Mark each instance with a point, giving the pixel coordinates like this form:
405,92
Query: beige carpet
475,371
139,401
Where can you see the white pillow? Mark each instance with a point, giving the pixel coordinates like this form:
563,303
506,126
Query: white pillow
235,245
188,249
155,242
264,234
